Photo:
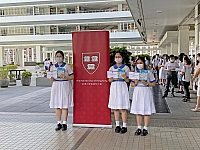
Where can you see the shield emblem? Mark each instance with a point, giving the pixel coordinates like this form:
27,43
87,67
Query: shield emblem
91,61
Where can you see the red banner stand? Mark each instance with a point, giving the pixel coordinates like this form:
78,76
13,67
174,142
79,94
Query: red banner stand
91,61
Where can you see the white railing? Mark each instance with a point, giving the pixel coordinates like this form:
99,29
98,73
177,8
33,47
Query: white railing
60,13
51,33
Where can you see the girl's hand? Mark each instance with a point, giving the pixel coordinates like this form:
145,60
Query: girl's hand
124,76
52,79
62,76
111,79
136,81
133,84
144,82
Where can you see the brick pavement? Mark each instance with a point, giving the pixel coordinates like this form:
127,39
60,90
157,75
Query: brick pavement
27,122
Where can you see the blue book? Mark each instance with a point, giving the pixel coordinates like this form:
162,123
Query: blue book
120,72
60,71
143,75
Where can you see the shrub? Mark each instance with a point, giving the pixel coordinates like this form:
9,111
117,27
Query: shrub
26,74
10,67
3,73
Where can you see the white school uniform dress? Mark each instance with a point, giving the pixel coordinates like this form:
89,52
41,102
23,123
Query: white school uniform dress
187,70
142,101
61,91
119,95
162,72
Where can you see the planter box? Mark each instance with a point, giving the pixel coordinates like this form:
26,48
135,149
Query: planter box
43,82
26,81
4,83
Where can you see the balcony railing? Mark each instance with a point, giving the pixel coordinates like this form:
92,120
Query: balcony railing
50,33
59,13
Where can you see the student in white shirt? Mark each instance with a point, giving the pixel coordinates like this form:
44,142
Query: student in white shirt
61,91
186,72
119,96
170,67
142,101
155,63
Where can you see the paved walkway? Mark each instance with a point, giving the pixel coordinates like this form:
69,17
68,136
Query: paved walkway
27,122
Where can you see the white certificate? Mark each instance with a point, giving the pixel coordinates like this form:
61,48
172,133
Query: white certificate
134,75
52,74
111,74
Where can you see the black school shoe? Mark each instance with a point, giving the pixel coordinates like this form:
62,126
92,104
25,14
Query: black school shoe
59,126
64,127
186,99
123,130
164,96
118,129
144,132
138,131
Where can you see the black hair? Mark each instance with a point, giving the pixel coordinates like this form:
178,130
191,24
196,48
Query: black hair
61,53
143,60
171,56
119,53
198,54
187,59
182,54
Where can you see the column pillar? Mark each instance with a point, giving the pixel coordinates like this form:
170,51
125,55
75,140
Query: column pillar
44,49
168,49
38,53
119,27
21,56
174,49
120,7
183,40
1,56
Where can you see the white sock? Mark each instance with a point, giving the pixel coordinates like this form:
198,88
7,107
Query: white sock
64,122
124,124
117,123
59,122
139,127
145,127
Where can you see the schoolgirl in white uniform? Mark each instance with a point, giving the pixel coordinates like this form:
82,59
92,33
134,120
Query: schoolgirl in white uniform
186,76
61,91
162,72
119,96
142,101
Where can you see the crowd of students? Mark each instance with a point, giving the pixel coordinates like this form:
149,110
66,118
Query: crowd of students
168,71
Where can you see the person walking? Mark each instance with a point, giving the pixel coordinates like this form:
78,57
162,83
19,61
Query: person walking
186,76
61,91
170,67
180,76
119,96
162,71
142,101
196,75
155,63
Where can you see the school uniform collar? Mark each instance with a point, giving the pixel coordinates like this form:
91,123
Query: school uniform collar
115,66
63,64
138,70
